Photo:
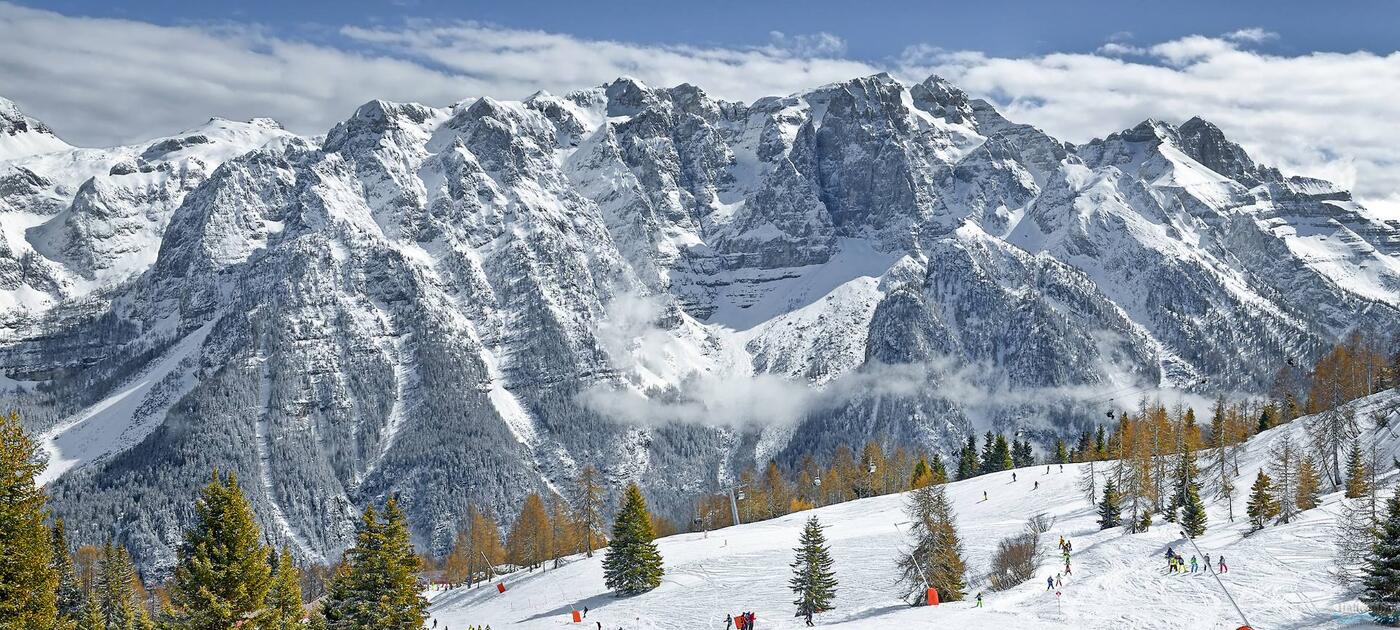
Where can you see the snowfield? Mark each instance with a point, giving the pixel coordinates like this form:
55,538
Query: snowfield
1280,576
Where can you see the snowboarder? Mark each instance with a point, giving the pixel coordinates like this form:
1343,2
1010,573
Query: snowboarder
809,619
1224,568
1049,583
1193,564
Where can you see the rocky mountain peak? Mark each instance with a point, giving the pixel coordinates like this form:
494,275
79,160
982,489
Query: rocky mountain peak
937,96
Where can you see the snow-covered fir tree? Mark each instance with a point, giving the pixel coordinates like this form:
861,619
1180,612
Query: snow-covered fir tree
813,578
1381,579
632,564
70,593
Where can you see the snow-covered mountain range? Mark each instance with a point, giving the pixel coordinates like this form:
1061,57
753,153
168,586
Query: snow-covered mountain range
466,304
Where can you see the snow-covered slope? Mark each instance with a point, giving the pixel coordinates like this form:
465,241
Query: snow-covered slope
465,304
1280,576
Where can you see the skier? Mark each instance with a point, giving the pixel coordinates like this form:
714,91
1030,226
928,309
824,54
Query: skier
585,612
1193,564
751,618
1224,568
1062,542
1067,571
979,600
600,624
728,622
1062,467
1037,486
1047,470
1049,583
1059,580
1069,546
1013,477
984,495
435,622
809,619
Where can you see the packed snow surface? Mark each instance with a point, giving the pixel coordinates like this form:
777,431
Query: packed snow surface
1280,576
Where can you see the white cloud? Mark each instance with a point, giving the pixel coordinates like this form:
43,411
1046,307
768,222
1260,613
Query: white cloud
1116,49
104,81
1253,35
1330,115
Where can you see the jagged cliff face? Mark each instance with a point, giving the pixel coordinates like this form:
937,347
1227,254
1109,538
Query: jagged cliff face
465,305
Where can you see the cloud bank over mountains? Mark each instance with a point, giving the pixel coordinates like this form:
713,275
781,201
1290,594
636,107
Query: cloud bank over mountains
109,81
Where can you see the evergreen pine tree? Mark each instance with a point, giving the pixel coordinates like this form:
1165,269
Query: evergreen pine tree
1193,512
968,464
1262,505
1381,579
1109,513
1183,475
1061,452
377,585
90,618
221,574
991,462
1266,421
937,472
813,580
70,595
28,581
1358,478
935,560
115,593
1002,454
1308,484
283,602
632,564
1100,444
1144,522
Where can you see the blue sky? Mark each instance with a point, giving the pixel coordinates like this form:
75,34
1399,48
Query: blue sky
1310,88
871,29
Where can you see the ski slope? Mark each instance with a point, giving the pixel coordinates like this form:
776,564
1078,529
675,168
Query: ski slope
1279,576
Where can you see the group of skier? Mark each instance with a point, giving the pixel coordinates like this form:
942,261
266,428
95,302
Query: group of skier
746,620
1176,563
1058,581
